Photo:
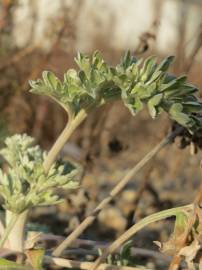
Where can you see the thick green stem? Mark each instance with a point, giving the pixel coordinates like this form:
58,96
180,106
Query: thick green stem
2,229
15,224
138,226
16,227
62,139
8,229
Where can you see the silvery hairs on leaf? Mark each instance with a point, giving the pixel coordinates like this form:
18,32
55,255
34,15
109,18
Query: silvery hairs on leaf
25,184
136,82
88,87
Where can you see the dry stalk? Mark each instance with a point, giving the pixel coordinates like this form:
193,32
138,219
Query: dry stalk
115,191
140,191
137,227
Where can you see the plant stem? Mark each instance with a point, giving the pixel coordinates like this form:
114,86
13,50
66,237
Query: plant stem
192,218
16,223
115,191
62,139
138,226
1,226
17,231
8,229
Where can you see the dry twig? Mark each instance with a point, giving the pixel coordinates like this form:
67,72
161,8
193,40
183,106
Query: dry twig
115,191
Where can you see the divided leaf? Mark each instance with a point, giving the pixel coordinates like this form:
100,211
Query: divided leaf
25,184
136,82
153,103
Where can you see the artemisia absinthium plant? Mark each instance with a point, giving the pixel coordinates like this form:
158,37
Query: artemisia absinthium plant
134,81
31,175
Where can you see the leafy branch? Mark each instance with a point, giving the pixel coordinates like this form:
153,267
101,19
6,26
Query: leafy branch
136,82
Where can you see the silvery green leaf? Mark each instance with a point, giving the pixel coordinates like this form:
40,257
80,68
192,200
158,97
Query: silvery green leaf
134,72
183,119
148,68
155,76
175,108
50,79
184,92
126,61
153,103
137,106
176,112
165,64
83,62
25,184
174,84
192,107
169,77
97,60
139,89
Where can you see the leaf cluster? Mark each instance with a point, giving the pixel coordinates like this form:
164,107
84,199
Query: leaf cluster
91,86
136,82
149,83
25,184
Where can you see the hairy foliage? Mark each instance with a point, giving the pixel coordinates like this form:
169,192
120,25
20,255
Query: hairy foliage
25,183
30,176
134,81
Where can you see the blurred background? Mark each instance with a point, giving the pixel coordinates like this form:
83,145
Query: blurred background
46,35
